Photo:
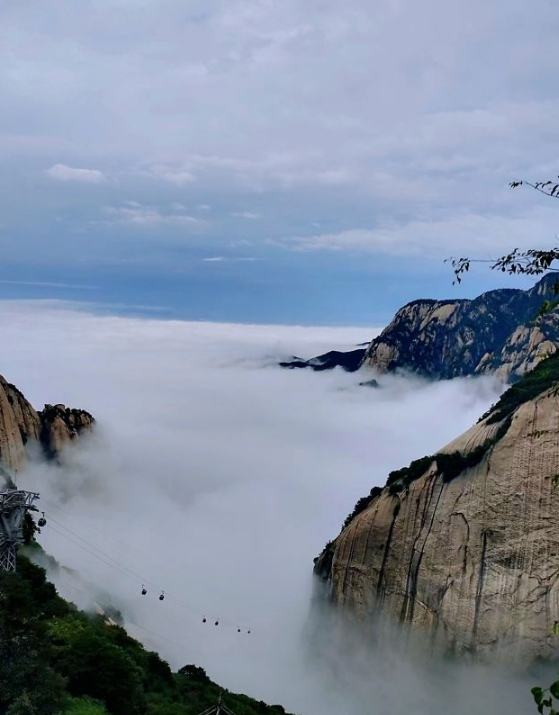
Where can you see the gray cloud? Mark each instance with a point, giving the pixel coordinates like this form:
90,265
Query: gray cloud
403,112
138,215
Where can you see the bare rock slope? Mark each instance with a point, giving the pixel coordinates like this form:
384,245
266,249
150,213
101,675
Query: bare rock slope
21,424
463,546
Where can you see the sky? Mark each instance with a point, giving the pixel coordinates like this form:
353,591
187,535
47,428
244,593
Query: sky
270,161
216,476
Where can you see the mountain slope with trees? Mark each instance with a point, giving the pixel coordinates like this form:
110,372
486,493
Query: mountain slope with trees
57,660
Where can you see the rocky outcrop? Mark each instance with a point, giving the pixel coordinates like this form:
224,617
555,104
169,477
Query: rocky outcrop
493,334
21,424
463,546
350,361
60,425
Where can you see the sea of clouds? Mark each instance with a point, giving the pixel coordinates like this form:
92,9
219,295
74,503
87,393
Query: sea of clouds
216,476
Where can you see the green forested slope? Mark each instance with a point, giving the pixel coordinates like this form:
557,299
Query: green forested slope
56,660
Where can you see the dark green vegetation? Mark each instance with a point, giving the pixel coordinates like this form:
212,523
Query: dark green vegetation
361,505
56,660
543,377
448,466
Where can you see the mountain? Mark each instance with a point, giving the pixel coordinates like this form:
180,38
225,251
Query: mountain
350,361
21,425
463,546
495,333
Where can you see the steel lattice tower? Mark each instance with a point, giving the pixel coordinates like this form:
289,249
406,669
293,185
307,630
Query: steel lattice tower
14,505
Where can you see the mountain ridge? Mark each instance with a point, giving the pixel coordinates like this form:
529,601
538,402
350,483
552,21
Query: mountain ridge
495,333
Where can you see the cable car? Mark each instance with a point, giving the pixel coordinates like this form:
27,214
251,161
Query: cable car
203,620
42,521
144,590
161,595
216,623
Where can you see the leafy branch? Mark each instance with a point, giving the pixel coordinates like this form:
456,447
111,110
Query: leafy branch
532,262
543,697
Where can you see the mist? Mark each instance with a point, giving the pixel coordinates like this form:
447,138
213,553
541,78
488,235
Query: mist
216,477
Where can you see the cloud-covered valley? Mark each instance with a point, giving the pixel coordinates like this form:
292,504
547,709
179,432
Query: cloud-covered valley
217,477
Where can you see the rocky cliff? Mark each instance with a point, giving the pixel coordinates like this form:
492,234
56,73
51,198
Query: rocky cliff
492,334
463,545
21,424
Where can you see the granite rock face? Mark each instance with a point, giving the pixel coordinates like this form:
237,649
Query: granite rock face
466,554
493,334
60,425
21,424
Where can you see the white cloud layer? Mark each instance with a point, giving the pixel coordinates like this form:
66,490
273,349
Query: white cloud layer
217,476
61,172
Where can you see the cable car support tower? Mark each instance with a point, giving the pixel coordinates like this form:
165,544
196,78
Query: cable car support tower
14,505
218,709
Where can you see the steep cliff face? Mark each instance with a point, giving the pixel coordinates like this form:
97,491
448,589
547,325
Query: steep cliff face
60,425
463,546
495,333
21,424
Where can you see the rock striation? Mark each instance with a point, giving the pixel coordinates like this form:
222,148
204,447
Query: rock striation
21,425
493,334
463,546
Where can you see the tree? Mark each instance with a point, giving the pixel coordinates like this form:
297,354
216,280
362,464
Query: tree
28,684
101,670
532,262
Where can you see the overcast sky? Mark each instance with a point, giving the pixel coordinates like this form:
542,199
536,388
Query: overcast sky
270,160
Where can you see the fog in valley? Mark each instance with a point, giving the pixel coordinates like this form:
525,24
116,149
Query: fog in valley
216,476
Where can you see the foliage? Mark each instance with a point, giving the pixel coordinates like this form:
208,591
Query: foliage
84,706
361,505
543,697
532,262
448,465
56,660
543,377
